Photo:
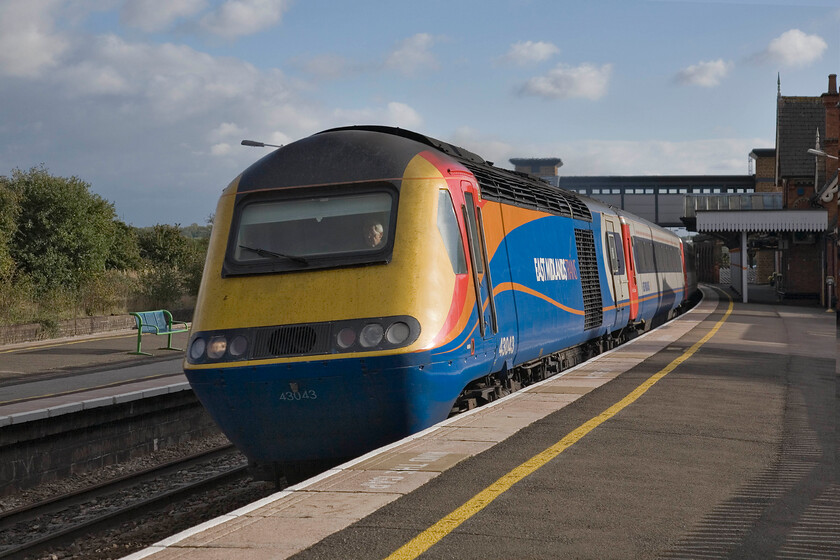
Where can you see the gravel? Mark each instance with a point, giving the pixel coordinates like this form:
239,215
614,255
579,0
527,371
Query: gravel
145,530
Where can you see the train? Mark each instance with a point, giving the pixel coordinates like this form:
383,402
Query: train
367,282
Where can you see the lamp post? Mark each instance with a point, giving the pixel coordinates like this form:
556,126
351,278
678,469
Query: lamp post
827,196
821,153
255,144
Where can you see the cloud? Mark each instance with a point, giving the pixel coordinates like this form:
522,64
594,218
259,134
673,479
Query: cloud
236,18
327,66
705,74
527,52
156,15
393,114
724,156
563,82
226,130
413,55
29,44
153,127
794,48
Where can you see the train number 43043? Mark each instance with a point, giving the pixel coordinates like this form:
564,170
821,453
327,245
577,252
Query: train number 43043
298,395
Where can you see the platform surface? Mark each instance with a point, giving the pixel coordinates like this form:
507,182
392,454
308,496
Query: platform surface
711,437
52,377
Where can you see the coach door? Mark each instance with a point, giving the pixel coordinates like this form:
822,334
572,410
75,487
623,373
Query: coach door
618,268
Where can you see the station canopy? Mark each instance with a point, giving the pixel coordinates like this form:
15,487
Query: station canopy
763,220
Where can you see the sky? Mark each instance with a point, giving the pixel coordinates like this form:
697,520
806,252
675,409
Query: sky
148,100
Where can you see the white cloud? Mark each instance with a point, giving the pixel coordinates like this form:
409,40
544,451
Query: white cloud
393,114
29,44
656,157
795,48
327,66
724,156
225,131
563,81
413,55
221,149
526,52
156,15
236,18
706,74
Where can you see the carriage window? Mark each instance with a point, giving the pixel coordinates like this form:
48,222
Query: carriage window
327,228
450,232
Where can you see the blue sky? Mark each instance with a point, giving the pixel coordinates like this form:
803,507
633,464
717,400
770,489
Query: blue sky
147,100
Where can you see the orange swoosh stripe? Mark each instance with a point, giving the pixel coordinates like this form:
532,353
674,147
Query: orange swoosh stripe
505,286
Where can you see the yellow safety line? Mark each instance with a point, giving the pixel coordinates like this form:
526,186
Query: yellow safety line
436,532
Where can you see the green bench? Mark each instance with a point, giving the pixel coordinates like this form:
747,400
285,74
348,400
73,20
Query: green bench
157,322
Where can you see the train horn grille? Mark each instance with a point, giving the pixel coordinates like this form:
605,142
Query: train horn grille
294,340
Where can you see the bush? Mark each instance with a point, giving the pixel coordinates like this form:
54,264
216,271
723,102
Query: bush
162,286
64,232
107,293
64,254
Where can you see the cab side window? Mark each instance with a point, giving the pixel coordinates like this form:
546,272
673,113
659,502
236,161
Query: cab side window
450,232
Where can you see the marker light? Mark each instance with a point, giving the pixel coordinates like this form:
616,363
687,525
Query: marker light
397,333
371,335
238,346
216,348
197,348
345,338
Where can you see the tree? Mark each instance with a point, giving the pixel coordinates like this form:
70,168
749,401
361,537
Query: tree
163,244
9,211
124,253
64,231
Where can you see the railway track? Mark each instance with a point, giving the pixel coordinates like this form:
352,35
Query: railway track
31,530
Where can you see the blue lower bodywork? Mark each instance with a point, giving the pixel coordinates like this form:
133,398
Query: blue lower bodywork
329,409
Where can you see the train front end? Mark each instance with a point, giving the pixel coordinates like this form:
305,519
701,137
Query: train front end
326,284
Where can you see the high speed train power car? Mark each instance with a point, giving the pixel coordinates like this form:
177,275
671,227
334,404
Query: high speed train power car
364,282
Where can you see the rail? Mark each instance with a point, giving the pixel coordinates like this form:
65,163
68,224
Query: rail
16,523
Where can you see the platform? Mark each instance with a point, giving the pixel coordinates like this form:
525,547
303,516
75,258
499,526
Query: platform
711,437
52,377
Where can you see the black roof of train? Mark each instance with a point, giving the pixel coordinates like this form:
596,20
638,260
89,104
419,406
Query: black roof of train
338,156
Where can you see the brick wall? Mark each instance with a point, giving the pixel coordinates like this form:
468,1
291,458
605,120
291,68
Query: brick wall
765,174
83,325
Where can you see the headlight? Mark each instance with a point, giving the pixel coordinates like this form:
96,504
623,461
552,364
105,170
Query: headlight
397,333
238,346
345,338
371,335
197,348
217,347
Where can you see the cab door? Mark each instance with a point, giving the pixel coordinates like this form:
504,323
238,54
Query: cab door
488,326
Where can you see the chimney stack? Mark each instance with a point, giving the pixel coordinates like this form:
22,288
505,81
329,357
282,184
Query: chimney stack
832,84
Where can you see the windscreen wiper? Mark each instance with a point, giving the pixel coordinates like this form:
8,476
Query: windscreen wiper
267,253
